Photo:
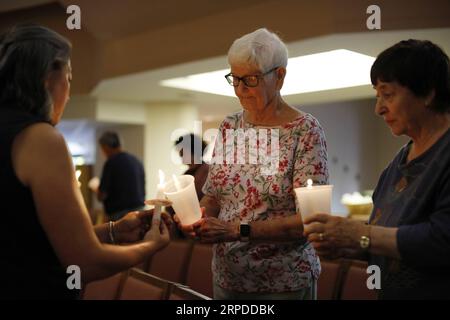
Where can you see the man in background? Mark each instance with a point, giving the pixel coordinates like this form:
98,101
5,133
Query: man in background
122,184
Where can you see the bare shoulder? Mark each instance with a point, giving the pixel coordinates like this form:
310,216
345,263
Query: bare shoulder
38,147
42,134
39,135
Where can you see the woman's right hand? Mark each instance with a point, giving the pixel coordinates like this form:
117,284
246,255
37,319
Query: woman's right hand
189,229
158,233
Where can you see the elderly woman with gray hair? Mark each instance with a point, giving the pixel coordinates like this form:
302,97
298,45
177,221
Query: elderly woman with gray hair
250,212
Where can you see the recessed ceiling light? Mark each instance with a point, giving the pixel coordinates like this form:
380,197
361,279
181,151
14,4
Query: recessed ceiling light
315,72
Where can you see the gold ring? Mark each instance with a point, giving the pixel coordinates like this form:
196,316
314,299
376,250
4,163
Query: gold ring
321,236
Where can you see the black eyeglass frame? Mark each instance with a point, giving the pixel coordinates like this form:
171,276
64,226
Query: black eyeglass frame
243,79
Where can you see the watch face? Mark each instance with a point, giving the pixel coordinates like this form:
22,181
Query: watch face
245,230
364,242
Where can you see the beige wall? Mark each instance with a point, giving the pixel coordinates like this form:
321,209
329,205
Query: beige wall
359,145
147,131
164,123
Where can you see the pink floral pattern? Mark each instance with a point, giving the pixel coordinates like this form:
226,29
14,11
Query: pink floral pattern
244,192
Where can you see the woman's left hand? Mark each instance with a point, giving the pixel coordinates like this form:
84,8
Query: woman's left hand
214,230
134,225
330,234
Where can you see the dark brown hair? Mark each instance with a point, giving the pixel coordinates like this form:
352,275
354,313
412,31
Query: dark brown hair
419,65
27,54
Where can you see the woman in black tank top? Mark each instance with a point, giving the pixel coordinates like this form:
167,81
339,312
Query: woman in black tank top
45,224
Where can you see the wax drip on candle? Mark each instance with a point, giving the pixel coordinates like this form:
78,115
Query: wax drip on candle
159,195
177,182
309,183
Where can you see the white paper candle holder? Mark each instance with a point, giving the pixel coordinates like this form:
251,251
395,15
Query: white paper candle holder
184,199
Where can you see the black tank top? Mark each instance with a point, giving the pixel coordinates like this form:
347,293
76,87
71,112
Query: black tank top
29,267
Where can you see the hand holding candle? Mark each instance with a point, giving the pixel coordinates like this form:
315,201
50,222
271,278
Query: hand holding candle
160,198
314,199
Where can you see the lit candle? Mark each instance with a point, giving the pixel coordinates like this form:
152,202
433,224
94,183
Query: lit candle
313,199
161,185
159,196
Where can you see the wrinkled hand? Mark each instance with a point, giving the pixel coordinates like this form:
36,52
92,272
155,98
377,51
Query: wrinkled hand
188,229
134,225
158,233
213,230
333,237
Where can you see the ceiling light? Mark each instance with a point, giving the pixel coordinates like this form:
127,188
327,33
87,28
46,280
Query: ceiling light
315,72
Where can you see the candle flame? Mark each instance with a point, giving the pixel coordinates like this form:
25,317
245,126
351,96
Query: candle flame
162,177
309,183
177,182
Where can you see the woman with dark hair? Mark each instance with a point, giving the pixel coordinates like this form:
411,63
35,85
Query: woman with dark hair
194,159
408,235
45,223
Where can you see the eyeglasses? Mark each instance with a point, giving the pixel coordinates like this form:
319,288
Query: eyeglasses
249,81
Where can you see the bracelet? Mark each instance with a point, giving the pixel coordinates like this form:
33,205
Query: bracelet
111,232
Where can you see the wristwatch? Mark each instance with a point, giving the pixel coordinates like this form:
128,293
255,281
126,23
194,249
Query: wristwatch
364,242
244,231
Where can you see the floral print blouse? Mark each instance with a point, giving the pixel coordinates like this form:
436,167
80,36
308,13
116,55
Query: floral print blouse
245,191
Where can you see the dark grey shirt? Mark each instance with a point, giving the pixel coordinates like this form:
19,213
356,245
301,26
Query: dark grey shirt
415,197
123,181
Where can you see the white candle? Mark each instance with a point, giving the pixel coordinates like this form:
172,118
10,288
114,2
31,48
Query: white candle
159,195
314,199
161,185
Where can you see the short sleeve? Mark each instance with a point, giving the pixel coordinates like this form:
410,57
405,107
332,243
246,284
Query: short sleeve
210,187
310,158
